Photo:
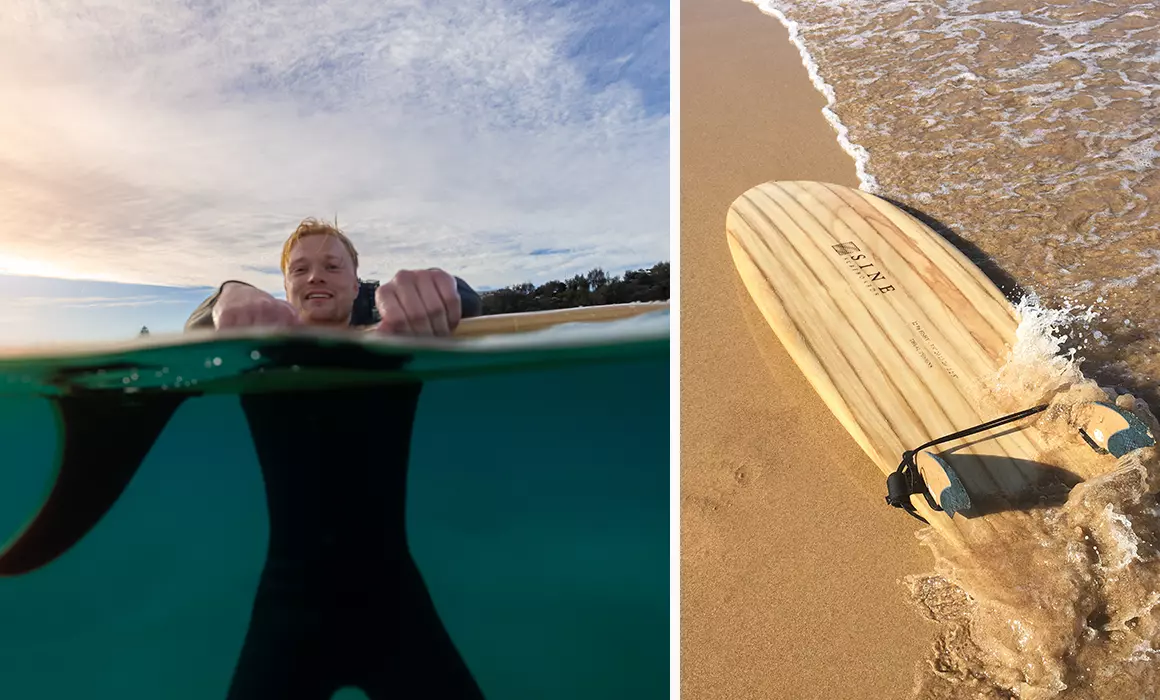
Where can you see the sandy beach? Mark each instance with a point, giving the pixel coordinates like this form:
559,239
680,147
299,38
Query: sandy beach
792,565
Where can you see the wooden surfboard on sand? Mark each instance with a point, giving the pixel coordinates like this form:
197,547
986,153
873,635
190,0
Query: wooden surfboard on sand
902,336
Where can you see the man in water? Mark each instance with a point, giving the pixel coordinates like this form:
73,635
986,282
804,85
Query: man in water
341,601
320,276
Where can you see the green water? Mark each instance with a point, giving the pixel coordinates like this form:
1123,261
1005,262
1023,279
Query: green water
536,510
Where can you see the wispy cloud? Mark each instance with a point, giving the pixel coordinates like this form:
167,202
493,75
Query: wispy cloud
178,143
91,302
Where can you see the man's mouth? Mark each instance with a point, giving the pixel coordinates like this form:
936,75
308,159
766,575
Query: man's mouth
319,295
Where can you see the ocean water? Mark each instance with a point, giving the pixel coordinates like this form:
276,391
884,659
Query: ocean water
532,500
1029,132
1030,129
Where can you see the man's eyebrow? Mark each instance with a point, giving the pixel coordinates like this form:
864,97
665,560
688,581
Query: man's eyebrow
328,256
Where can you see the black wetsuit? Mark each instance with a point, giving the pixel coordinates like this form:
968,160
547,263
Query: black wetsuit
340,601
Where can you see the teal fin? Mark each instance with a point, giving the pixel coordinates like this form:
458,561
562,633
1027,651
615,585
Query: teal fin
1107,434
951,495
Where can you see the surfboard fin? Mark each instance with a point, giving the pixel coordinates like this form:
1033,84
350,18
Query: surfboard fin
106,436
929,474
942,483
1112,430
918,466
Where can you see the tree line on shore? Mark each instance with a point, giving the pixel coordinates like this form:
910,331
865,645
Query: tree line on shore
593,288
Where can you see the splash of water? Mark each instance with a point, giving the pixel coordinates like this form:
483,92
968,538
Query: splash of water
1062,602
1044,358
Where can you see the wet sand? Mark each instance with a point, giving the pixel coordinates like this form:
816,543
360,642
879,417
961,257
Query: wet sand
791,562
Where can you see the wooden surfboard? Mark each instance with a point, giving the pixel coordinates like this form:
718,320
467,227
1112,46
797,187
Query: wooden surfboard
539,320
901,335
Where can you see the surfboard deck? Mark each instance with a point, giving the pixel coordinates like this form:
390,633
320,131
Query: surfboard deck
902,337
283,514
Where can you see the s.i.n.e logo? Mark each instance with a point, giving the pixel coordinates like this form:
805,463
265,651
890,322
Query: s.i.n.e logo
860,263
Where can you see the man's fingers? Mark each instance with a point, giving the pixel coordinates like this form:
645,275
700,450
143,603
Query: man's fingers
273,313
255,314
414,307
231,317
433,304
286,314
420,303
394,319
448,292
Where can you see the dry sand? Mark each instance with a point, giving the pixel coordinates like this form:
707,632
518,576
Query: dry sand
791,562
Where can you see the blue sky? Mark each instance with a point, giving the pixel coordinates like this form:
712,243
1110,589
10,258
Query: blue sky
150,150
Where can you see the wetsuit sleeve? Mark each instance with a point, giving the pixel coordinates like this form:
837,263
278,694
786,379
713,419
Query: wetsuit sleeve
202,316
472,303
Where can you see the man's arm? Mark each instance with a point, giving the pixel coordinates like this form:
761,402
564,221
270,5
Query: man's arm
202,316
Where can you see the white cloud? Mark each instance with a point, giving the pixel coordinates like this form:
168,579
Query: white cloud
93,302
179,143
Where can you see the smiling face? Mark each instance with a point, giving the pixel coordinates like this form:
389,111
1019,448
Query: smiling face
321,280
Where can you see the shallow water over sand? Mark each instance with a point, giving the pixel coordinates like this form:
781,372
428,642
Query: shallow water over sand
1029,129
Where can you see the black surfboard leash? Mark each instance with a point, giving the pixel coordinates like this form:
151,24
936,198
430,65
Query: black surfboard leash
907,480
